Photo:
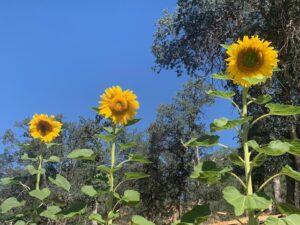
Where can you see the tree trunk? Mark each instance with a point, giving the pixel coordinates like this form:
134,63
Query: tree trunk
277,192
95,210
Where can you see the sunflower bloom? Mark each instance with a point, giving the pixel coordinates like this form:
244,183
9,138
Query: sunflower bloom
44,128
117,105
250,58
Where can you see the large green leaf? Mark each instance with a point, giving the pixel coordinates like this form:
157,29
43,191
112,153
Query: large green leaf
287,209
295,146
40,194
221,94
75,209
262,99
225,124
89,190
26,157
8,181
204,141
240,202
85,154
135,175
127,145
108,169
52,158
197,215
138,158
139,220
33,171
274,148
289,220
208,172
132,122
288,171
107,138
61,182
51,212
97,217
131,197
10,203
283,110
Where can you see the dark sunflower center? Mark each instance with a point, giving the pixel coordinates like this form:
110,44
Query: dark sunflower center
44,127
250,58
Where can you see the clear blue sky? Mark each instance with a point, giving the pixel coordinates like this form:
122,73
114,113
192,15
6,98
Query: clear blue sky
59,56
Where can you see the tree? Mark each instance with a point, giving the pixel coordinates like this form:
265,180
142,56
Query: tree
165,192
189,39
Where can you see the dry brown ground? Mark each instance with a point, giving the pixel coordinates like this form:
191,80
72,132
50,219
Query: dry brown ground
241,221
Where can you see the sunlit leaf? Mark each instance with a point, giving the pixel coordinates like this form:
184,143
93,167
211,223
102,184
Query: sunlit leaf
225,124
51,212
89,190
289,220
204,141
84,154
40,194
9,204
283,110
262,99
61,182
240,202
221,94
139,220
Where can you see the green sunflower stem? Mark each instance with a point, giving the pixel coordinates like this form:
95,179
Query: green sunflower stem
247,155
111,176
38,175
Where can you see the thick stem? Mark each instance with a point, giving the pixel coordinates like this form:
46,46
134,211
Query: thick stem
38,175
247,154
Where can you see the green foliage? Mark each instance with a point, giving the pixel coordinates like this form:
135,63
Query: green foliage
221,94
199,214
40,194
208,172
203,141
139,220
84,154
61,182
10,203
242,202
51,212
225,124
289,220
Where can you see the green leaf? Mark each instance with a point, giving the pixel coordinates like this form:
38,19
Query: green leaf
26,157
113,215
138,158
107,138
287,209
89,190
132,122
236,159
257,201
221,94
109,129
131,197
76,208
109,170
95,109
289,220
96,217
208,172
9,204
274,148
85,154
199,214
52,159
127,145
255,80
49,145
283,110
51,212
61,182
32,170
135,175
259,160
262,99
220,76
40,194
288,171
20,222
225,46
295,146
225,124
8,181
139,220
204,141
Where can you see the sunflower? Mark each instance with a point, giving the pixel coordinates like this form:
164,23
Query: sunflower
44,128
117,105
250,58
